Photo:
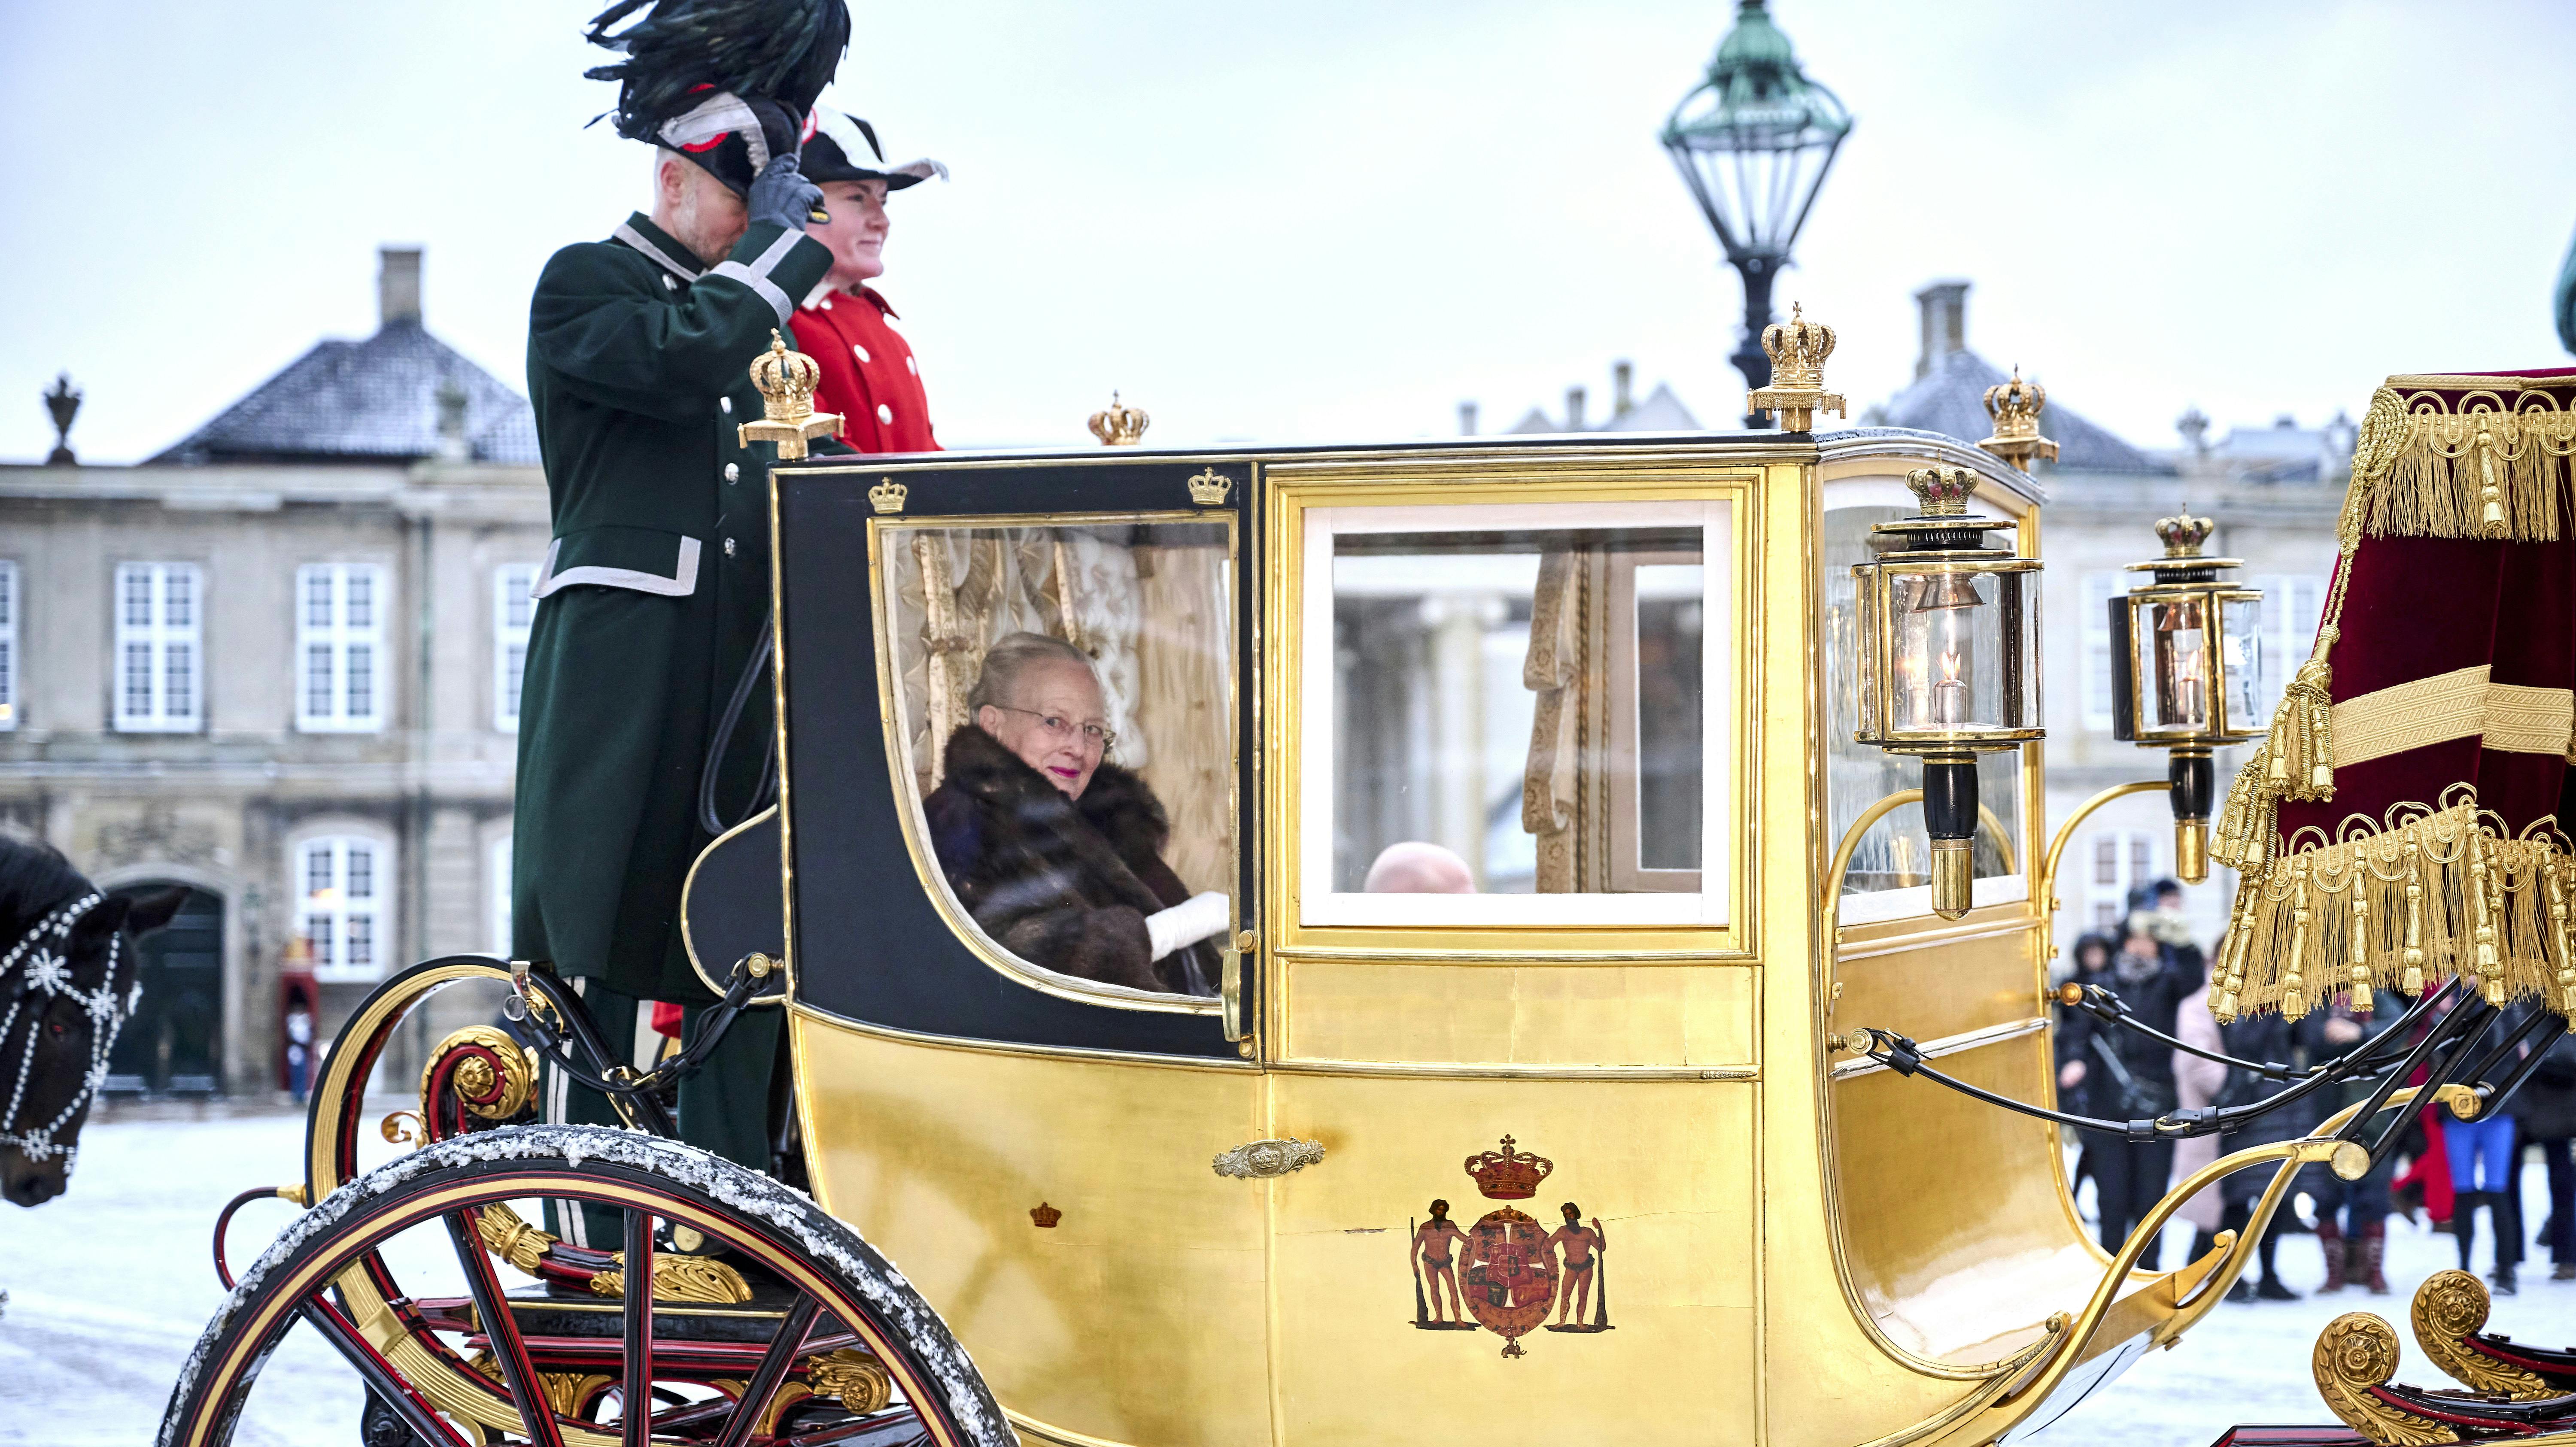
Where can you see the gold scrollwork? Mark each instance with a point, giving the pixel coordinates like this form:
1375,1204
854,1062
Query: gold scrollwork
857,1380
681,1278
404,1127
1264,1160
495,1082
2448,1308
513,1240
2356,1352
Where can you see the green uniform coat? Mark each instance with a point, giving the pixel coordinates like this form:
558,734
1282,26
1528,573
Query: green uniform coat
653,591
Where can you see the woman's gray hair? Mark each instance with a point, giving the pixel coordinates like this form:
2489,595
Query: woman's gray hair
1008,658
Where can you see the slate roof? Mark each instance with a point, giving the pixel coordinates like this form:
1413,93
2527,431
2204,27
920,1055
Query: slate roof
1951,399
1660,412
372,400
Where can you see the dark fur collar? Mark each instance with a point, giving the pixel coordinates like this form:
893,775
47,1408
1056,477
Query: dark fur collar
1116,803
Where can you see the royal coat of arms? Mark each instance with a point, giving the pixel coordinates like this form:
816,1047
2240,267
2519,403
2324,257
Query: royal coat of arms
1507,1271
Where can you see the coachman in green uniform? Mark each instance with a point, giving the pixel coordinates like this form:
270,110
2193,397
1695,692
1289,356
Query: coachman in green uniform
656,587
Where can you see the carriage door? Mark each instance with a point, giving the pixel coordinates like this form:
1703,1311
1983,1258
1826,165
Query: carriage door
174,1044
1014,809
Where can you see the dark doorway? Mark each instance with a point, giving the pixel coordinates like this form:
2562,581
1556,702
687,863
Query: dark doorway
174,1043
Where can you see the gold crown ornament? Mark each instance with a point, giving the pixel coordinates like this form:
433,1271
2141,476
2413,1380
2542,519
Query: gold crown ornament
887,495
786,381
2184,534
1508,1174
1942,491
2014,406
1119,425
1209,488
1798,348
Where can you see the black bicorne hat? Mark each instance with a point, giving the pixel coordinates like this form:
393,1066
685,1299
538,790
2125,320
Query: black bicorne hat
842,147
729,82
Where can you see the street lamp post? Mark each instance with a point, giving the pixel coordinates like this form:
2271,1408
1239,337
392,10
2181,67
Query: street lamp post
1753,142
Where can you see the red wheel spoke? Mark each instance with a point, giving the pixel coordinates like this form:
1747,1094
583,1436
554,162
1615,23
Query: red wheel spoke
380,1376
638,1411
772,1371
502,1329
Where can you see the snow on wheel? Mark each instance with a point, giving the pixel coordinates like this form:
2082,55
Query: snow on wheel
783,1327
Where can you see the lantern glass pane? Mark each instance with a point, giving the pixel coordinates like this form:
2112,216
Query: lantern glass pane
2177,665
1960,651
2240,654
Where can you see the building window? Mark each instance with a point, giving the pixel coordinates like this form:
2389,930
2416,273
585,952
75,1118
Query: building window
2292,603
339,648
2123,859
344,904
8,645
2098,588
499,886
513,610
159,647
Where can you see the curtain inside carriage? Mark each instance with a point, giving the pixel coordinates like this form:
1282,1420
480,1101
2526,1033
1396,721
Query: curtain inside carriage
1154,616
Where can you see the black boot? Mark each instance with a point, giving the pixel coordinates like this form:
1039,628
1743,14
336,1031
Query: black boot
2270,1288
2464,1222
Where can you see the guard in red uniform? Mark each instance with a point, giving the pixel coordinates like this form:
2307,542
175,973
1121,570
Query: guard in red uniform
869,376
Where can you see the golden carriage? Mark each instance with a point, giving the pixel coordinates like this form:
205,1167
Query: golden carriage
1618,678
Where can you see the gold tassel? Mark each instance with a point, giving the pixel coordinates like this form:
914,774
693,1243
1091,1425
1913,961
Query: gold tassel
2294,1000
2229,979
2357,949
2483,474
2557,872
2413,980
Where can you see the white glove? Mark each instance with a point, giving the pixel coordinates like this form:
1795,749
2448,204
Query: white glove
1188,922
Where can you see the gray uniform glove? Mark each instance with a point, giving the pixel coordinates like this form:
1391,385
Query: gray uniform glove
782,196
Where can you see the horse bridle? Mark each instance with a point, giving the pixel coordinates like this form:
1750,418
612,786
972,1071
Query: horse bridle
43,954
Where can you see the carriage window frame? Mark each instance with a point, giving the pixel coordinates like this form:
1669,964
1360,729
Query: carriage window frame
898,727
1715,509
1887,490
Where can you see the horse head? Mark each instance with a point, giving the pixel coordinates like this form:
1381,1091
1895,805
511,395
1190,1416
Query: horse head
68,983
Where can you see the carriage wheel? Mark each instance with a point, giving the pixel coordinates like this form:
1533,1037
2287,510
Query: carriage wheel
784,1374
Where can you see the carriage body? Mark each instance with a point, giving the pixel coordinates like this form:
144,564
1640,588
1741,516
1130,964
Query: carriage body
1796,1251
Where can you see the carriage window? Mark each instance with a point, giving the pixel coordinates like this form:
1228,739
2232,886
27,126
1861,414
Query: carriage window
1896,855
1521,703
1064,703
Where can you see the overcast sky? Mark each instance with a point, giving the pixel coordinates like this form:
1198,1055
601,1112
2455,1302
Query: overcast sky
1339,219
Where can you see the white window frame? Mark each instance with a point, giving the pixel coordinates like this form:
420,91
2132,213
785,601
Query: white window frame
1321,905
514,612
2289,629
2096,661
167,636
346,636
350,934
2134,861
9,655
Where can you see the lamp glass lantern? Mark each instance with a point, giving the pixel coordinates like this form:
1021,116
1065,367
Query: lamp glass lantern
2187,673
1948,627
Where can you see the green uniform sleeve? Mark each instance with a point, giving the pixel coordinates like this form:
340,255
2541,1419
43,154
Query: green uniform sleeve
616,337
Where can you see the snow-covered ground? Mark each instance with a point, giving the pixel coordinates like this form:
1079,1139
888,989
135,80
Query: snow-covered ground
109,1286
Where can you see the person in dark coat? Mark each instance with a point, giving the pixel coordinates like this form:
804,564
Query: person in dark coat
2352,1216
1055,851
2546,1106
2269,1039
2128,1076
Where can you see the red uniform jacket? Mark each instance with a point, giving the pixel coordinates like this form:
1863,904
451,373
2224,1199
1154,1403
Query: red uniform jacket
869,376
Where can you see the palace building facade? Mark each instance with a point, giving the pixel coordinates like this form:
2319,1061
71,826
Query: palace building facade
277,664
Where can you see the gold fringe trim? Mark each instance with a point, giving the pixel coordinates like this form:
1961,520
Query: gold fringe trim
2496,467
2395,904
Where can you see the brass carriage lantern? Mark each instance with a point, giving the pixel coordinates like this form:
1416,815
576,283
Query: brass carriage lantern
2187,674
1948,627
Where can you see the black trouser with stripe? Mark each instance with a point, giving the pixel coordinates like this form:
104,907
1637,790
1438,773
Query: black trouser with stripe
724,1103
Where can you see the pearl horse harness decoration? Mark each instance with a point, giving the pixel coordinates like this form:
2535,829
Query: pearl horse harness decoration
42,959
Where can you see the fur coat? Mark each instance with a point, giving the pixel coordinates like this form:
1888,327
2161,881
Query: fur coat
1062,883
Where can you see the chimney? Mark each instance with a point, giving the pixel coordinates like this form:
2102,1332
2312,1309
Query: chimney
1622,376
397,285
1944,308
1573,409
1466,419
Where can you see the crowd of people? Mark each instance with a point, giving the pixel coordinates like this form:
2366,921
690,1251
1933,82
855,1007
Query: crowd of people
2443,1171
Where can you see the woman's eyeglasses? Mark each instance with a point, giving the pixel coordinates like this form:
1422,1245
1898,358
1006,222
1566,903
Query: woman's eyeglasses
1061,729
